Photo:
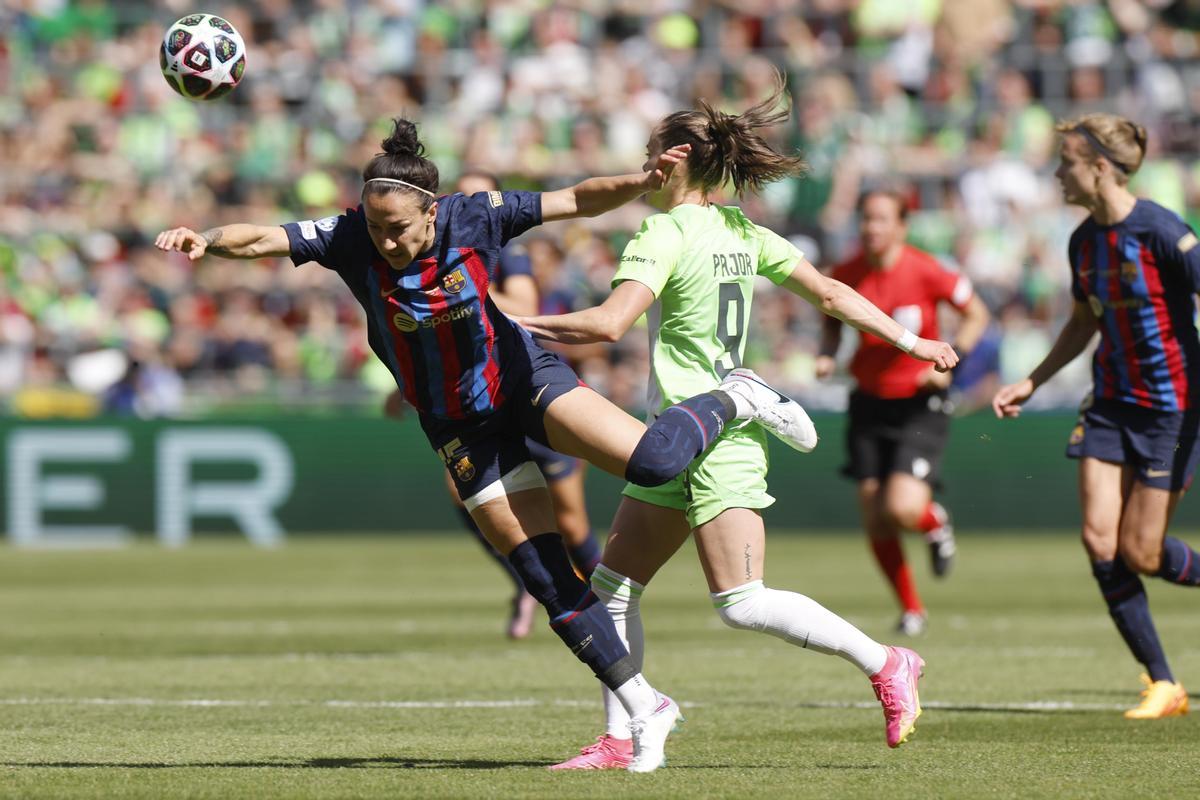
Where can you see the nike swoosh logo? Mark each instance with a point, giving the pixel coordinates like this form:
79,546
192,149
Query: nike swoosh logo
780,400
1157,473
539,394
385,293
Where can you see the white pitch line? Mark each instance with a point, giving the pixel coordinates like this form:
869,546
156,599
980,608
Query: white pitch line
210,703
1043,706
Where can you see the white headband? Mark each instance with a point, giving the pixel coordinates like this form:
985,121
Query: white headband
401,183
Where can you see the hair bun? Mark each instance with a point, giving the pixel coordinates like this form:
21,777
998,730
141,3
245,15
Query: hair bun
1140,136
403,141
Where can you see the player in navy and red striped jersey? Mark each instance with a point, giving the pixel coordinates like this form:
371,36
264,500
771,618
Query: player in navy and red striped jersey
1135,270
515,291
421,267
900,410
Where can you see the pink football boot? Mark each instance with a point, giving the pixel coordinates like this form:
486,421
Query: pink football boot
607,752
896,687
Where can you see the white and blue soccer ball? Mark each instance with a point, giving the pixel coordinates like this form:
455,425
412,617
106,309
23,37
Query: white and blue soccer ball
203,57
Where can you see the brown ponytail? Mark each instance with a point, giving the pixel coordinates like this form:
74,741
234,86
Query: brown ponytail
726,148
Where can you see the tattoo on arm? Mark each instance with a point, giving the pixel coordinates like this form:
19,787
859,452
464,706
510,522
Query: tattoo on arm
748,572
213,238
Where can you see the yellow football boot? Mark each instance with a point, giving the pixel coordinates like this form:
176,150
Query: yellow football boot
1160,699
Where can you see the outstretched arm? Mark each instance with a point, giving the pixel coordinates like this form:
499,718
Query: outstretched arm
606,322
839,300
1072,340
597,195
228,241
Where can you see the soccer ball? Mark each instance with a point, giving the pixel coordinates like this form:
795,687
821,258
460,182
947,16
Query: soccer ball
202,57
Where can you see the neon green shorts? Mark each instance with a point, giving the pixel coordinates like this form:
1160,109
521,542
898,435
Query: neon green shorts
732,474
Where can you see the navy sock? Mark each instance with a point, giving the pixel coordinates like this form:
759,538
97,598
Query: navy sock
586,555
682,432
578,618
1130,609
504,563
1180,563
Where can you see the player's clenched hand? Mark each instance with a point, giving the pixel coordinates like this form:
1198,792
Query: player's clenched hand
185,240
824,367
656,177
940,354
935,381
1008,400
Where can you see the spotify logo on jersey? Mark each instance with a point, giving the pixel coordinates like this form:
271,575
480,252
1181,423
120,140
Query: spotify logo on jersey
404,322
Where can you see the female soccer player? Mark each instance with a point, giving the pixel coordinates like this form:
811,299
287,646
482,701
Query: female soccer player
514,290
899,410
692,268
421,266
1135,269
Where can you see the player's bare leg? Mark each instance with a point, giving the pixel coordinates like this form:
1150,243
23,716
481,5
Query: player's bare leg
523,606
883,535
570,511
1102,490
1107,496
909,501
732,549
1144,519
570,507
642,539
583,424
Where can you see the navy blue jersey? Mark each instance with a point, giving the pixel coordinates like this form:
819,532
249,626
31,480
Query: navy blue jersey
450,349
1139,277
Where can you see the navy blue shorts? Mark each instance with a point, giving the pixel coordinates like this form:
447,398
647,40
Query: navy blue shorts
479,450
1160,445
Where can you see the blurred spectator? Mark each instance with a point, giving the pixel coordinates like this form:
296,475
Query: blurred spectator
97,155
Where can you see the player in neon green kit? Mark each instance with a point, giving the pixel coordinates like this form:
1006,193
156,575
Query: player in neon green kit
691,270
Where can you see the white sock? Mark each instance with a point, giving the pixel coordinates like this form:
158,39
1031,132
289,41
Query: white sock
742,408
638,698
799,620
621,596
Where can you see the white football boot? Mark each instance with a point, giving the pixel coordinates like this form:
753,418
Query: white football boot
778,413
650,734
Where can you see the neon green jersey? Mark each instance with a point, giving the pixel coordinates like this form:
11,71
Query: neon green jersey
700,262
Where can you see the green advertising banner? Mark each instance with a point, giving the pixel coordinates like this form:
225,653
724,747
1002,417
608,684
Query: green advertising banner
102,481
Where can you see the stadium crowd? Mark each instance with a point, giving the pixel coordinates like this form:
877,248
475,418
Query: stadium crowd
953,99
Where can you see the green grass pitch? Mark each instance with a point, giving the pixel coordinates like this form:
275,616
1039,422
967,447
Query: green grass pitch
375,667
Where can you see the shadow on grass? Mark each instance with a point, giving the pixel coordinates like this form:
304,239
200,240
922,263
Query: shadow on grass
312,763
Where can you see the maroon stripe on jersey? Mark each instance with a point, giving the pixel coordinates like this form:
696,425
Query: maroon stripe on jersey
491,370
399,346
1137,385
1166,330
448,348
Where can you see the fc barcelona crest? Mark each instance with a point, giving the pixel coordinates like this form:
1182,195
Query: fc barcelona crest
1076,435
1129,271
454,281
464,469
